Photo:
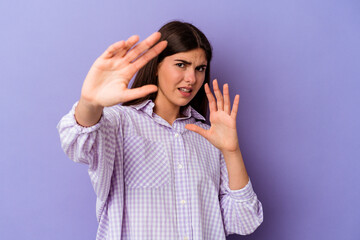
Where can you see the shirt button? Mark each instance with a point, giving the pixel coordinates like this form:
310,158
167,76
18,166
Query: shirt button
176,135
180,166
183,201
186,238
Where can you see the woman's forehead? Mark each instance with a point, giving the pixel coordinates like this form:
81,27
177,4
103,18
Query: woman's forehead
196,56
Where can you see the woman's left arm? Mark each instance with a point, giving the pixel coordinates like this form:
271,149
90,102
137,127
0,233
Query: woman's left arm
242,211
223,135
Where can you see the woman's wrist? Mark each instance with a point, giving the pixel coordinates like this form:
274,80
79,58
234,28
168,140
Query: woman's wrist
87,114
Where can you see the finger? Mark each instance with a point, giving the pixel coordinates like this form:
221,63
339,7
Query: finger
150,54
211,98
109,53
226,98
235,106
121,47
128,45
197,129
143,46
219,97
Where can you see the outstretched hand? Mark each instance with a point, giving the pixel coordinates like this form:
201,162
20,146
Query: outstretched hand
107,81
222,133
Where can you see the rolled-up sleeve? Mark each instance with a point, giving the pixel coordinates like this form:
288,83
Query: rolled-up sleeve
94,146
242,211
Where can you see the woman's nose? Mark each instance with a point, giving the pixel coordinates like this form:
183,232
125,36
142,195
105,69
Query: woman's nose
190,77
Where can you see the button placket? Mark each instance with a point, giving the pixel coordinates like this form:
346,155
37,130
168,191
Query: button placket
181,183
180,166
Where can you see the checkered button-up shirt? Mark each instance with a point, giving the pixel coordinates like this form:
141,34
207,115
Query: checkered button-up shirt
158,181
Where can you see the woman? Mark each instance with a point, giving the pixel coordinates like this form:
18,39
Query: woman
158,171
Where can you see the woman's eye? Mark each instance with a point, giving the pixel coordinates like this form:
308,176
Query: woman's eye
180,65
201,69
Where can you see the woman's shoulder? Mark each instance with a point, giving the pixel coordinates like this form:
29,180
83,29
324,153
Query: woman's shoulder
124,113
120,111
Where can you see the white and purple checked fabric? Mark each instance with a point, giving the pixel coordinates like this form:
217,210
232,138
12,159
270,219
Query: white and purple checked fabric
157,181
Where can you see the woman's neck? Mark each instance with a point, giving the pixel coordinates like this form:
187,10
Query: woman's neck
167,112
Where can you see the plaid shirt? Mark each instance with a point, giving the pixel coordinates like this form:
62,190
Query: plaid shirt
158,181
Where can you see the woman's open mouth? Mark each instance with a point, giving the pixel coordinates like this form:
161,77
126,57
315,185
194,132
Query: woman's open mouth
185,91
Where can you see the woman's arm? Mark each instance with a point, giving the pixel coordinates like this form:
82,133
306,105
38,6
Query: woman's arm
242,211
238,177
223,134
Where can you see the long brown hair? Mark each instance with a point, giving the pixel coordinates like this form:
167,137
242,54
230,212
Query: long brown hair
181,37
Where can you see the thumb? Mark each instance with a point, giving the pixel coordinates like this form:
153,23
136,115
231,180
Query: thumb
143,91
197,129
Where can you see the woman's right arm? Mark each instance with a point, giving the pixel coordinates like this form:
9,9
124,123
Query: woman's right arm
94,146
90,132
106,85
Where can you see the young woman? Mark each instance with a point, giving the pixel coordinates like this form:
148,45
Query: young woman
158,171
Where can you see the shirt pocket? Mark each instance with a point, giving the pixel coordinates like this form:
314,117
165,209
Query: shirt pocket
145,163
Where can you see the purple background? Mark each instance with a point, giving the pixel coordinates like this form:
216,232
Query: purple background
295,65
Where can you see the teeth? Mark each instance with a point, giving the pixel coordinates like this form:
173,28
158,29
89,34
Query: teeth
184,90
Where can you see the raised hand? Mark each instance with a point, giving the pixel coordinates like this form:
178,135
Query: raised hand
222,133
107,81
106,84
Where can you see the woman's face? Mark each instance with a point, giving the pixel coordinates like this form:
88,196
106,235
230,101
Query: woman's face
180,77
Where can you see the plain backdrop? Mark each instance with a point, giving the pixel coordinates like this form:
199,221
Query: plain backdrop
295,64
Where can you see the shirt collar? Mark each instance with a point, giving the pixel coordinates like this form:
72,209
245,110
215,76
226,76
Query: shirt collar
189,111
148,106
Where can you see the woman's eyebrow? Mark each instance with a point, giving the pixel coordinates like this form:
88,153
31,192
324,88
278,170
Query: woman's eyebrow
189,63
183,61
